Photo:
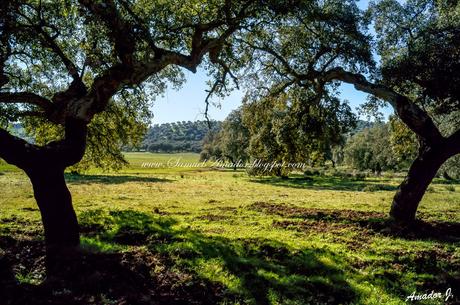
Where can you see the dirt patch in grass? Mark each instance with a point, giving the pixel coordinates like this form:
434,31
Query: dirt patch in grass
212,217
181,213
290,211
160,212
322,220
310,226
341,231
229,209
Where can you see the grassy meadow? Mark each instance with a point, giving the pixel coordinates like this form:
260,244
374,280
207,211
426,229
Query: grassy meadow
188,235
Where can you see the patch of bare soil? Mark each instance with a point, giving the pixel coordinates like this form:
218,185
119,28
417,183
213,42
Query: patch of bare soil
322,220
212,217
230,209
340,231
134,277
310,226
291,211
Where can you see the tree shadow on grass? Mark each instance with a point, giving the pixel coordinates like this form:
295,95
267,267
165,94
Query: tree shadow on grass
134,277
445,181
108,179
176,265
328,183
260,271
181,266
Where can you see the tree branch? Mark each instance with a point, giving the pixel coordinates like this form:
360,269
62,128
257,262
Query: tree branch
70,66
27,98
413,116
120,30
416,119
131,72
14,150
50,42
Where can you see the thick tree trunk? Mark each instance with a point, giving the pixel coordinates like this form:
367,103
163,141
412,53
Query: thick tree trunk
421,173
58,216
45,167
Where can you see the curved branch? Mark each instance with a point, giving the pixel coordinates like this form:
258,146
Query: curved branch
65,152
51,43
412,115
416,119
14,150
120,31
27,98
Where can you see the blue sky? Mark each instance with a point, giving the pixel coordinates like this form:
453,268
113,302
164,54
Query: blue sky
187,104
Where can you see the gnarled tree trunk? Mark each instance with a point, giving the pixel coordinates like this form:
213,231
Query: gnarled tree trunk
58,216
421,173
45,167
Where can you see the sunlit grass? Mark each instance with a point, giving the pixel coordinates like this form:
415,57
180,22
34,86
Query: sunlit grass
206,222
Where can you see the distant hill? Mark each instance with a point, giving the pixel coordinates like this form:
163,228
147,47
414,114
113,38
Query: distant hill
185,136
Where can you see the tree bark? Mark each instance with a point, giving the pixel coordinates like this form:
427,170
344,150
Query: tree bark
58,216
45,167
421,173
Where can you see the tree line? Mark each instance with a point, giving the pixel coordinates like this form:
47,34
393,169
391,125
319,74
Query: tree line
249,134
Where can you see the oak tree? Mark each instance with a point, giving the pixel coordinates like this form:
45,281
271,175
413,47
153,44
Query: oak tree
74,73
418,45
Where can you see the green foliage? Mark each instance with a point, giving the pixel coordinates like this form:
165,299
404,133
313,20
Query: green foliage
448,124
371,149
418,41
44,45
451,168
234,138
211,147
289,128
403,141
230,142
123,124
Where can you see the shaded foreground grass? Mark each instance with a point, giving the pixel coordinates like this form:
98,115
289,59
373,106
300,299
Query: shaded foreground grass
187,236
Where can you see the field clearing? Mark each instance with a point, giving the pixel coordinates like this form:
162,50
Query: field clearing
252,240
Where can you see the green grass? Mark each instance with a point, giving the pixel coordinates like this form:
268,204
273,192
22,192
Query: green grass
264,240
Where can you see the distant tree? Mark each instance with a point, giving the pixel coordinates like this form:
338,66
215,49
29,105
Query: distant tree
234,139
370,149
184,137
403,141
211,149
448,124
283,129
